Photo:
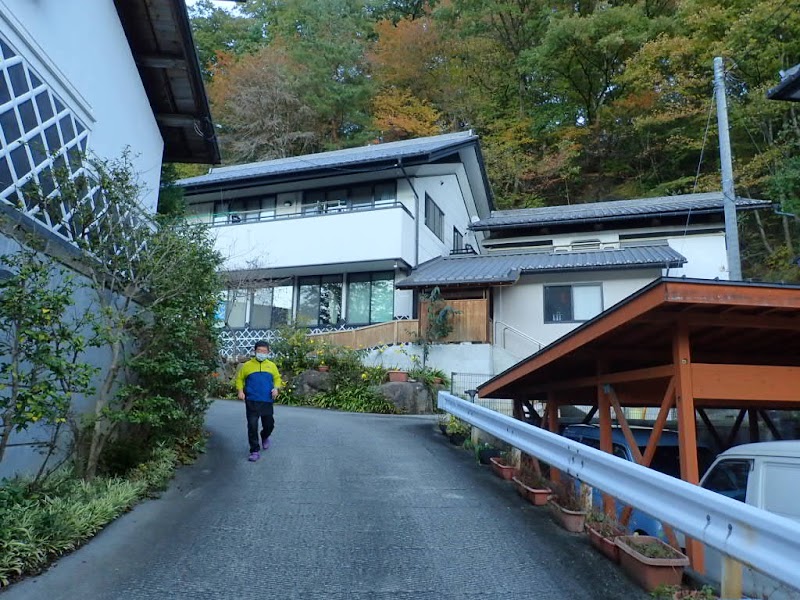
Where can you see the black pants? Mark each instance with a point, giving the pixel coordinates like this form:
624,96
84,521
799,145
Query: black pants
256,411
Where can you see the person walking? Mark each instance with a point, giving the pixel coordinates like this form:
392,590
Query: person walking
258,382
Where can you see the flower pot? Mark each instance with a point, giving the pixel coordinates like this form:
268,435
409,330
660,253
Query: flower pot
536,496
486,453
502,470
323,368
457,438
437,381
648,572
605,545
571,520
398,376
443,428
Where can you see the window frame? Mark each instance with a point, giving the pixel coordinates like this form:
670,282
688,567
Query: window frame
571,286
458,237
373,277
305,281
434,217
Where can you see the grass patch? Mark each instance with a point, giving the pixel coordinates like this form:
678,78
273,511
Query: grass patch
42,521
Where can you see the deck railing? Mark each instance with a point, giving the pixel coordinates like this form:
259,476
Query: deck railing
372,336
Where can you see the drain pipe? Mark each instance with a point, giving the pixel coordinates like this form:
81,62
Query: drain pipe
416,211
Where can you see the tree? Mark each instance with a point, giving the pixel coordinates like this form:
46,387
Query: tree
399,115
259,108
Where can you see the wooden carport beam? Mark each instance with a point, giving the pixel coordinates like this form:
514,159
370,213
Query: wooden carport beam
687,426
728,320
757,383
662,372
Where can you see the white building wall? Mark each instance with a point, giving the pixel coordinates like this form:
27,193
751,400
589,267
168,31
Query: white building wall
446,192
521,307
707,256
82,53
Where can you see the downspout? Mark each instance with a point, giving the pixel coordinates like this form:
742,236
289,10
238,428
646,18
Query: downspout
416,212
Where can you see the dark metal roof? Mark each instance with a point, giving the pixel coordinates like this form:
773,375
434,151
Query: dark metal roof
160,37
497,269
373,157
615,210
789,87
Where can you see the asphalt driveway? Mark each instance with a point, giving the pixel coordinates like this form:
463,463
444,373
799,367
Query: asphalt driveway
342,506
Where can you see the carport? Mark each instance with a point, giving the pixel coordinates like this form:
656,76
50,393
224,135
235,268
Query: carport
686,344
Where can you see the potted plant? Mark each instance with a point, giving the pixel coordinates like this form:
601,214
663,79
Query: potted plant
650,562
704,593
458,430
603,531
443,419
397,375
530,483
484,452
567,507
502,466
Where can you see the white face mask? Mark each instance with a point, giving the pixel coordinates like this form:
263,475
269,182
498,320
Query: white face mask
261,356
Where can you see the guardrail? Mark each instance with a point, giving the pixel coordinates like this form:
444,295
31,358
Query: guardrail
762,540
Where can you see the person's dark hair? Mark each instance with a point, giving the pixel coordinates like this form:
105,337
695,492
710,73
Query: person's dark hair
261,344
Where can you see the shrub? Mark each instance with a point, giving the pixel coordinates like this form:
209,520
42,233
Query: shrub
42,520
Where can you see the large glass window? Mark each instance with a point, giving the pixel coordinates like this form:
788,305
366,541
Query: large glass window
353,198
370,297
271,307
434,217
243,210
458,240
572,302
320,301
236,308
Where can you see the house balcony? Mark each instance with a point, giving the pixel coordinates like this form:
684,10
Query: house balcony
382,233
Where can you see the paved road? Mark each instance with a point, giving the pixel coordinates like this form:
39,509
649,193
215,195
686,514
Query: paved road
343,506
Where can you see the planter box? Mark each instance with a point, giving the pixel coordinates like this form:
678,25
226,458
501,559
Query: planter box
606,545
536,496
648,572
571,520
487,453
503,471
398,376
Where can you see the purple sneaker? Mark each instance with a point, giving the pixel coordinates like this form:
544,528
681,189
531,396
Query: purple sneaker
265,444
254,456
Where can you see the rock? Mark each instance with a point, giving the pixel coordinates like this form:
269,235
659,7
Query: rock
410,398
309,383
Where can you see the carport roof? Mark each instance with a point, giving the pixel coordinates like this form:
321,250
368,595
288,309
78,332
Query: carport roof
789,87
739,332
498,269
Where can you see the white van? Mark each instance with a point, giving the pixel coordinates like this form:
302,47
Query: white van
765,475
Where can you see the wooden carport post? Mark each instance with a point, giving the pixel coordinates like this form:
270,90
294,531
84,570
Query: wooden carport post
606,443
687,427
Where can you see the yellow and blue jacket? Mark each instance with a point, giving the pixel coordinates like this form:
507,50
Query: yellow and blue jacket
258,379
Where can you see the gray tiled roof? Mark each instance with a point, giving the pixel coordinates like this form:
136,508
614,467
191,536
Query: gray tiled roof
507,268
613,210
348,157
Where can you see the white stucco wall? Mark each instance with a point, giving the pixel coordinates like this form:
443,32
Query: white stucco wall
450,358
82,53
521,306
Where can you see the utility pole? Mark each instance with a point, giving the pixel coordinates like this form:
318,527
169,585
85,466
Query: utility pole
728,193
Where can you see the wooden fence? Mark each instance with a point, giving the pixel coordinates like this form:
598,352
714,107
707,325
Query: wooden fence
471,322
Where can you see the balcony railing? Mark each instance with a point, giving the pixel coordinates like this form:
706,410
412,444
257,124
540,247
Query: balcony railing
241,217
